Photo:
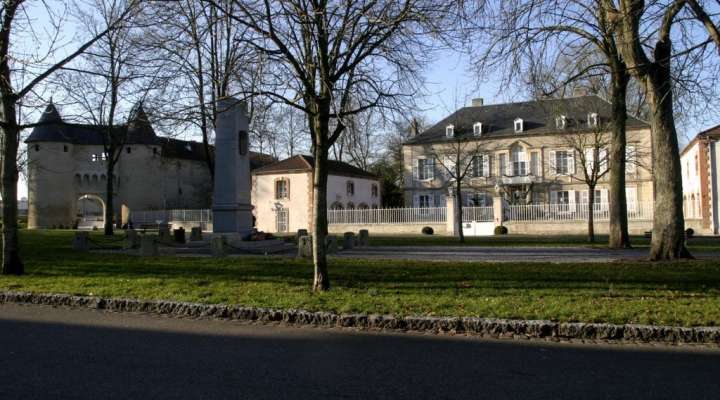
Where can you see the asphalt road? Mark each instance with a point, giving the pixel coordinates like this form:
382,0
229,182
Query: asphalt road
85,354
504,254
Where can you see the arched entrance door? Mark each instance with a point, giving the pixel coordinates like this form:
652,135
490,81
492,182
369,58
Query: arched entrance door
90,212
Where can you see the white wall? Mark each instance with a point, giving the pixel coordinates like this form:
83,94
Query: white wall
337,191
298,203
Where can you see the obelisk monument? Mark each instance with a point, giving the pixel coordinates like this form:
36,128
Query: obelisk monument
232,211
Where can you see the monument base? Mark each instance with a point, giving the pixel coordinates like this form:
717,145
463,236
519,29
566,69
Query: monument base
233,219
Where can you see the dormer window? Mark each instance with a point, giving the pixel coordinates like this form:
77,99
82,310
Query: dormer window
188,147
450,131
561,122
592,120
477,129
519,125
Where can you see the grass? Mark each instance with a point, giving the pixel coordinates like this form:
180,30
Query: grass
686,293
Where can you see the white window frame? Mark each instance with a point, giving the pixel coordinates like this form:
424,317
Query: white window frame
450,131
561,122
592,120
519,125
421,174
477,129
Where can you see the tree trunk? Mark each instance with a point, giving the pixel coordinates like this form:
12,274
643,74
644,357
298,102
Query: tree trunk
619,237
109,190
321,281
458,210
12,264
668,237
591,213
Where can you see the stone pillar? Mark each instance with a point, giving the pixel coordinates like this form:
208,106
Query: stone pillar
164,234
331,244
219,246
348,241
451,225
363,238
81,242
179,235
305,247
232,212
195,234
498,214
132,241
301,233
149,245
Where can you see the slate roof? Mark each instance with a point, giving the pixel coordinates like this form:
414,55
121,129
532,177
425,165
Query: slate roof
538,118
305,163
52,128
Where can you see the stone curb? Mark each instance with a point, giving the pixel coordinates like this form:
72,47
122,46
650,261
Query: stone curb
486,327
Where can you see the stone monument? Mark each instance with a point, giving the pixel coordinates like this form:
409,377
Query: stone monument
232,211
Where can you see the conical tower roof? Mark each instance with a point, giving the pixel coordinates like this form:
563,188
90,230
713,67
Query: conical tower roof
49,128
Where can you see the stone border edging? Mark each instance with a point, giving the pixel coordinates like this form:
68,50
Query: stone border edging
486,327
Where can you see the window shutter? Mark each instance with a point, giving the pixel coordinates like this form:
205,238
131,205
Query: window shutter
553,165
439,198
415,201
431,169
553,197
631,198
603,160
287,188
415,170
571,162
589,160
486,165
630,166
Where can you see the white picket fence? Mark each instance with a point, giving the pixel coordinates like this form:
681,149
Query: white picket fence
477,214
389,216
200,217
573,212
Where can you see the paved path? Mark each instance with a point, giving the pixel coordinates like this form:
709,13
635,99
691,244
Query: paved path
78,354
504,254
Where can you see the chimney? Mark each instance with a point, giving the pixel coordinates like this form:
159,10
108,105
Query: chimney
478,102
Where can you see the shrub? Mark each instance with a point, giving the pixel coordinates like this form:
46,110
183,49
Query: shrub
428,230
501,230
689,232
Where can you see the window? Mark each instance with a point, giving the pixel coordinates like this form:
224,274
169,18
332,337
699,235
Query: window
424,200
65,148
351,206
155,151
37,147
350,186
560,122
374,190
535,163
425,169
128,150
631,160
450,131
562,162
592,120
502,164
94,157
477,129
561,200
519,166
697,166
449,167
519,125
481,166
282,217
282,189
98,157
590,160
336,206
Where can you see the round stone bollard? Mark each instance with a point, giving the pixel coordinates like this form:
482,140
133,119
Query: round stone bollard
195,234
348,241
132,240
305,247
363,238
164,234
149,245
300,233
179,235
81,241
219,246
331,244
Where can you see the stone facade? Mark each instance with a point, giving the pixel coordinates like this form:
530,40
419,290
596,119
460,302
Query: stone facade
523,153
67,172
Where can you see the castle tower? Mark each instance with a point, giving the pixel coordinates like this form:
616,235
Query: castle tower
51,185
232,212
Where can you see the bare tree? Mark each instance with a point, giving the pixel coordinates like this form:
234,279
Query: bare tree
632,20
322,55
460,158
14,63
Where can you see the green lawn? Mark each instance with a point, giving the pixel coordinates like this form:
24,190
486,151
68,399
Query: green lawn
686,293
